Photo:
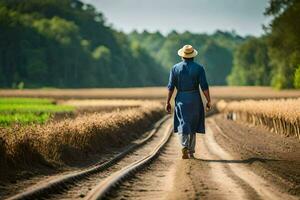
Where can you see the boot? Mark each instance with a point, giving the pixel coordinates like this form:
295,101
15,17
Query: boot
191,154
185,153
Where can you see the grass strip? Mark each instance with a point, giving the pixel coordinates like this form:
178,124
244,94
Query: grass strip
17,100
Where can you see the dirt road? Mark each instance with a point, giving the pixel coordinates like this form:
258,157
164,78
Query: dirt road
233,161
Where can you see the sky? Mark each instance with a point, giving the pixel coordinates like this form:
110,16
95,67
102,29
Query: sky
198,16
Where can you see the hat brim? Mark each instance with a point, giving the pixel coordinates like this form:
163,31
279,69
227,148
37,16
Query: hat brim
190,55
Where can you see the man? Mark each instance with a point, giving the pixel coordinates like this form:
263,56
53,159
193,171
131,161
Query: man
189,117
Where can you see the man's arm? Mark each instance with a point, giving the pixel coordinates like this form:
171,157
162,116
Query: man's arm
168,104
207,96
204,87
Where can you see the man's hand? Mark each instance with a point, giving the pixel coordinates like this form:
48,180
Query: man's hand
208,106
168,108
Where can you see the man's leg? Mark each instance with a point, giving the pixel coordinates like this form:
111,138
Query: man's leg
184,141
192,144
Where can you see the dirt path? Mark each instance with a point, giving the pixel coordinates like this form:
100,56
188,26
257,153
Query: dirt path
154,182
227,168
233,161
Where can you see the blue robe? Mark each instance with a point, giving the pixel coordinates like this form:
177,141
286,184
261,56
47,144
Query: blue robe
189,115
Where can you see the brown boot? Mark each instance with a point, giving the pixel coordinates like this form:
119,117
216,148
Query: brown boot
191,154
185,154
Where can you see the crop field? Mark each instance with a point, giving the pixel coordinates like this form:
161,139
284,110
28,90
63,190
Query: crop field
40,105
103,115
100,112
29,110
281,116
13,101
23,111
217,92
83,106
33,133
86,132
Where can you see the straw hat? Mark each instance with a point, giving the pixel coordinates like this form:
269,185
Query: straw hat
187,51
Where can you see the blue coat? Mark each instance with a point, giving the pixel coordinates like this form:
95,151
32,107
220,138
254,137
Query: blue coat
189,115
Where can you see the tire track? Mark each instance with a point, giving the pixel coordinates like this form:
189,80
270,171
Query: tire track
228,188
76,185
264,189
156,181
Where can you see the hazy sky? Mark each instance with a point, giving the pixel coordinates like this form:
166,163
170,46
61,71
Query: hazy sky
244,16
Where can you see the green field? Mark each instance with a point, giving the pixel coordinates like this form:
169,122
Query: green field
28,110
23,101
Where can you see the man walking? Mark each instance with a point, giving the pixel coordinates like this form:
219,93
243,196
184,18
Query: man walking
189,117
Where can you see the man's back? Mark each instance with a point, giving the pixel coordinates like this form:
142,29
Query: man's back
188,75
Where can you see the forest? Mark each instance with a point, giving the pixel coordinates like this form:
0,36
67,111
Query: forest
68,44
215,50
272,59
54,43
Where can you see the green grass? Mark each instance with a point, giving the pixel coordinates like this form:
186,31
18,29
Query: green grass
28,110
34,108
23,118
25,101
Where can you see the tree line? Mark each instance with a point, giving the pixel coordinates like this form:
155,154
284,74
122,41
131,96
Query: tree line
270,60
215,51
273,59
67,43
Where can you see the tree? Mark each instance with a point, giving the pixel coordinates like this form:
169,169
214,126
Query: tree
284,41
215,51
217,61
297,78
251,64
67,44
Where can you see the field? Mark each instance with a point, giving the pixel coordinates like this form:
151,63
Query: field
101,105
29,110
40,105
31,136
69,138
36,132
281,116
218,92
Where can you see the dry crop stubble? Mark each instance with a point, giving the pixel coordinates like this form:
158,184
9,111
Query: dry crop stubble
280,116
102,105
70,140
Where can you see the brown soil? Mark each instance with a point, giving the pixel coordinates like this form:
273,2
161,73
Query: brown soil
156,180
17,177
238,161
274,157
233,161
83,187
220,92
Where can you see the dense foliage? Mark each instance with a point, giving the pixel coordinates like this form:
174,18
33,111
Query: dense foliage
274,58
251,64
284,41
56,43
215,51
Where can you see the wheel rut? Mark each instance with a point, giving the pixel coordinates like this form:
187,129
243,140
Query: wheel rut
79,184
252,185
